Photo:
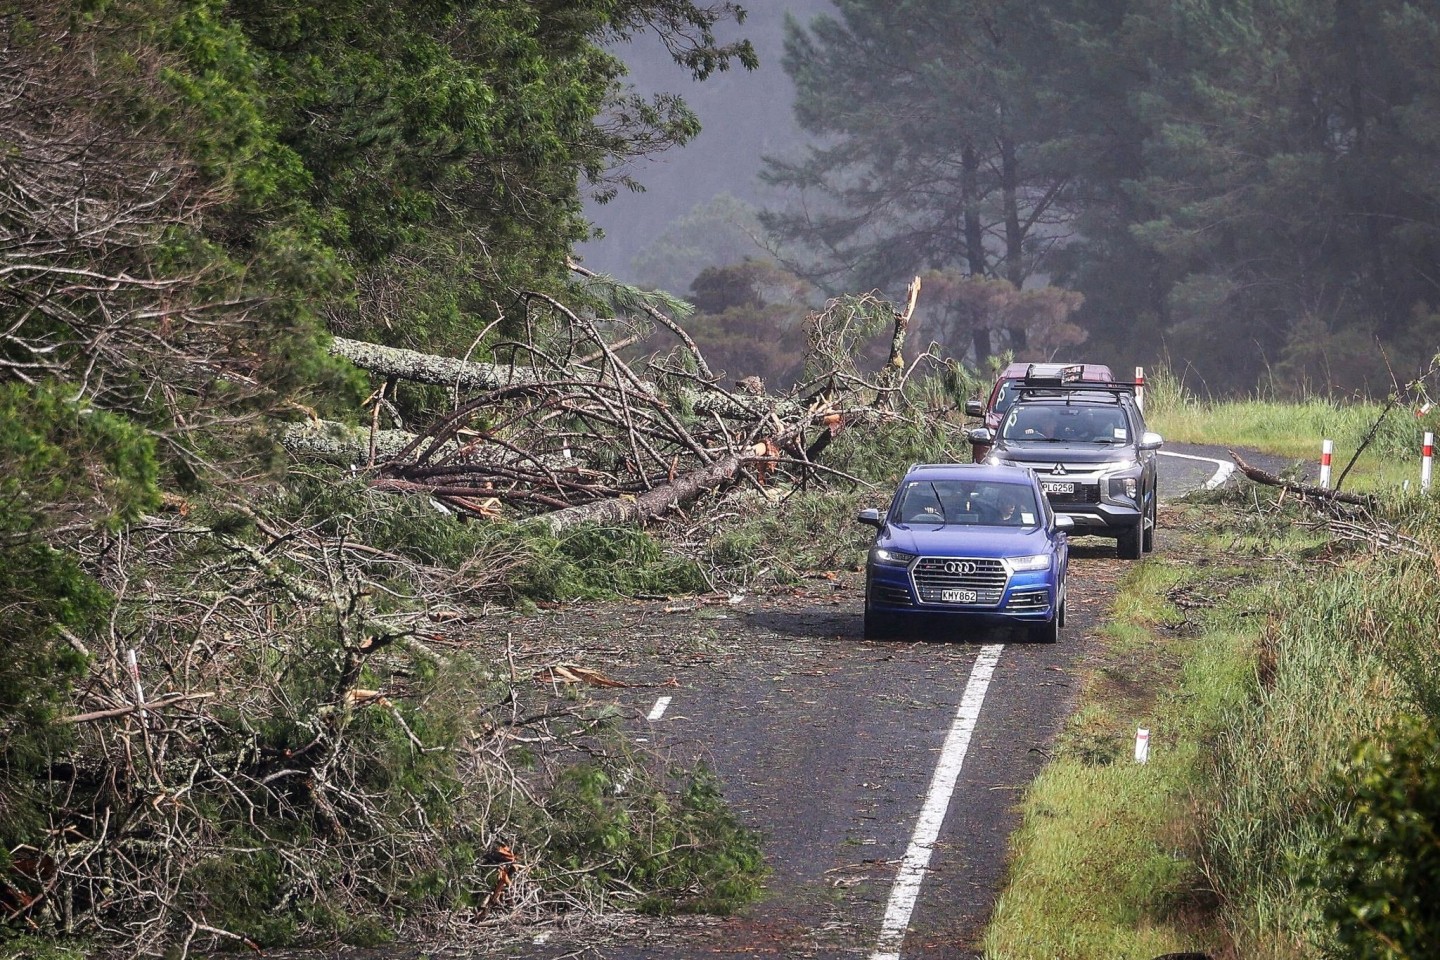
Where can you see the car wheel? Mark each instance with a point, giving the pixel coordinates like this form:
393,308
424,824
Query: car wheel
1049,631
1148,539
1128,543
877,625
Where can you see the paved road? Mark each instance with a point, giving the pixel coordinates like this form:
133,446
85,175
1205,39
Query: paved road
883,775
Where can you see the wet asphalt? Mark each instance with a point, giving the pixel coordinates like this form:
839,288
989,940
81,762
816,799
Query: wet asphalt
826,743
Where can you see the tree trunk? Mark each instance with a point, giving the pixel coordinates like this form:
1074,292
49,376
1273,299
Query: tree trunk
974,238
1014,233
650,504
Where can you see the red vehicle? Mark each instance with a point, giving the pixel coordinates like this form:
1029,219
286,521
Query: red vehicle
1007,387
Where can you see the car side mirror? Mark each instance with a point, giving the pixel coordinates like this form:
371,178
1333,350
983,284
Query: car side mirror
979,435
1151,441
870,517
973,408
1063,522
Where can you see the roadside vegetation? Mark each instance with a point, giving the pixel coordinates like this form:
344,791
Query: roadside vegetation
1390,430
1280,652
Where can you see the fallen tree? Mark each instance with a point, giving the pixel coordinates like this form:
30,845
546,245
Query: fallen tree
1304,489
580,433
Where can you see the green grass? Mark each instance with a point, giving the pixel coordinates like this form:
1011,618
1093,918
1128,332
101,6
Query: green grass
1236,649
1296,429
1260,653
1104,865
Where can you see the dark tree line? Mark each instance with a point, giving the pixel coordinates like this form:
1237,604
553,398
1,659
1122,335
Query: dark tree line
1246,189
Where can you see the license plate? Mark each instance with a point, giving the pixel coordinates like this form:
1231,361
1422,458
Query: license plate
1053,486
957,596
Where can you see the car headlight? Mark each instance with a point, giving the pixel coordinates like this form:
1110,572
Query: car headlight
891,558
1040,561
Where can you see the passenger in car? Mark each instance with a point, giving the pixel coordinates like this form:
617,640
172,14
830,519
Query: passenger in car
1007,507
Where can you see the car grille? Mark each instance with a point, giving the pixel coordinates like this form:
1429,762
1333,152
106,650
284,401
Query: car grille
986,577
1029,600
1084,493
889,595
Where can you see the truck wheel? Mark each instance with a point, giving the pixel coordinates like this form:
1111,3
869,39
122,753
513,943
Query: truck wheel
1128,543
1148,543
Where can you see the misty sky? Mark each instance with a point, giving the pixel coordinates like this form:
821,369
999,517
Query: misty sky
745,115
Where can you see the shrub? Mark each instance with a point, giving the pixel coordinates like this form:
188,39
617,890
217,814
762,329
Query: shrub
1382,868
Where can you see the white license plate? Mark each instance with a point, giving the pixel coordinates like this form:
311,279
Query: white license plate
957,596
1056,487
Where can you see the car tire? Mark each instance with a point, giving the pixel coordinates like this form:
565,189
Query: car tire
878,626
1147,543
1049,631
1129,543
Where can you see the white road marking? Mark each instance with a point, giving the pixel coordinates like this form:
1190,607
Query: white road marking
1222,469
658,711
932,815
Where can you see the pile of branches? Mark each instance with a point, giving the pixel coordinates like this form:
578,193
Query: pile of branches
270,681
577,433
277,736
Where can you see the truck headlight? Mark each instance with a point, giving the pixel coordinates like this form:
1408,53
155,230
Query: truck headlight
1126,487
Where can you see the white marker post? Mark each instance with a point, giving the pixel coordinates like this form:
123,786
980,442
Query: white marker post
1140,388
1427,462
1142,745
1327,449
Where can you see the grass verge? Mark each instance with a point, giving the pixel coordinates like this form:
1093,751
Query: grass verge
1110,861
1295,429
1270,654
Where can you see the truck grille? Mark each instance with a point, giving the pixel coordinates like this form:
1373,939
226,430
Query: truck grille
986,577
1084,493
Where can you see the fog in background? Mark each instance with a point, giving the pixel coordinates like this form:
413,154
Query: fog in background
745,115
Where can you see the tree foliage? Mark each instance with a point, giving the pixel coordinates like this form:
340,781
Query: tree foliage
750,321
193,195
1246,186
932,152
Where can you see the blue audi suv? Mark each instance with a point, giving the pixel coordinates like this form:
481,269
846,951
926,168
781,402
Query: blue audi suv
967,544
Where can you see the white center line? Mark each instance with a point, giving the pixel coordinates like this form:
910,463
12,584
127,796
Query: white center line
932,815
658,711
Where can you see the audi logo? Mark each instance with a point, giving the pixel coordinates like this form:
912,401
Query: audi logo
960,566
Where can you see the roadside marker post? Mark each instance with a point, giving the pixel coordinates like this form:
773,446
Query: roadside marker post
1427,462
1142,745
1140,388
1327,449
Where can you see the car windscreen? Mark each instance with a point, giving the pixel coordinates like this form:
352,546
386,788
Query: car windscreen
966,502
1067,423
1005,396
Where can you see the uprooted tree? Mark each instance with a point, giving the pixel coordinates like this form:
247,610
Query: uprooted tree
283,713
574,433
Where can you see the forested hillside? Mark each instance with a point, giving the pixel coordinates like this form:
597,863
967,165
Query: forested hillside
230,709
1245,189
